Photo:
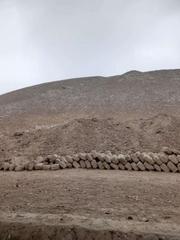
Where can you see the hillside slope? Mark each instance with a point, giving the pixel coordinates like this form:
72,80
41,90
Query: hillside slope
134,94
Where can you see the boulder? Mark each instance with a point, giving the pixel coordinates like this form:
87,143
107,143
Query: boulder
40,159
82,164
148,166
106,165
46,167
94,164
19,168
100,165
76,164
148,159
6,166
69,159
134,158
107,159
173,159
89,157
163,157
55,167
114,166
122,159
134,166
172,167
141,166
88,164
62,164
128,166
164,168
121,166
115,159
157,168
38,166
12,167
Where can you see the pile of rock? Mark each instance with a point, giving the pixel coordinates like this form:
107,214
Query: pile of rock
167,160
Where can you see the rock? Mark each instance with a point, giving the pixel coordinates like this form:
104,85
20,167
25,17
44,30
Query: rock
115,159
69,159
94,164
157,159
19,168
62,164
89,157
12,167
82,164
108,153
100,165
6,166
178,166
57,161
101,157
178,158
114,166
51,158
69,165
55,167
164,168
94,154
30,166
148,159
88,164
39,159
157,168
128,166
46,167
141,167
172,167
141,157
166,150
76,164
122,159
82,156
148,166
106,165
18,134
128,158
75,157
173,159
134,158
107,159
163,157
134,166
121,166
38,166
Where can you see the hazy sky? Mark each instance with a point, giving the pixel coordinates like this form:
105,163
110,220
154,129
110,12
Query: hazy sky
47,40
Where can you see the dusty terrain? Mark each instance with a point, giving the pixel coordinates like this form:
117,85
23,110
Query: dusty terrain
145,205
124,114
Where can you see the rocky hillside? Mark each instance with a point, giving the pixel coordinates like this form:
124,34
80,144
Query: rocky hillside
133,112
132,95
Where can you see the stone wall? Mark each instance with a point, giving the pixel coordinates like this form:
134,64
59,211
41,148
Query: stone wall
167,160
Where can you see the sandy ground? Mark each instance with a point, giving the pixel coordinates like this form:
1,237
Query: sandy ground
138,201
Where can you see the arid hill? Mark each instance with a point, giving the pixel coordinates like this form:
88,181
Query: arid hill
133,112
131,95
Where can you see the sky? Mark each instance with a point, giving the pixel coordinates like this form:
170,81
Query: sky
48,40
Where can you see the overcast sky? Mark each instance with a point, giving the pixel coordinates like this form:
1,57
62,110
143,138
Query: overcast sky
47,40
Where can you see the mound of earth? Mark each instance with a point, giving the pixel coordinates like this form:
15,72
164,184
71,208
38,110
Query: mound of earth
84,135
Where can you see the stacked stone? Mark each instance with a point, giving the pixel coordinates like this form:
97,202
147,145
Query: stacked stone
167,160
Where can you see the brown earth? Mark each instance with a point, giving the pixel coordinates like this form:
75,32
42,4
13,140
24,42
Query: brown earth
132,112
109,204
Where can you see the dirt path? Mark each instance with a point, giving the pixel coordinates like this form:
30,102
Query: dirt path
139,201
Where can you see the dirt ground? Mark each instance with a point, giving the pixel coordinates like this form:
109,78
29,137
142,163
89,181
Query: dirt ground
138,202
